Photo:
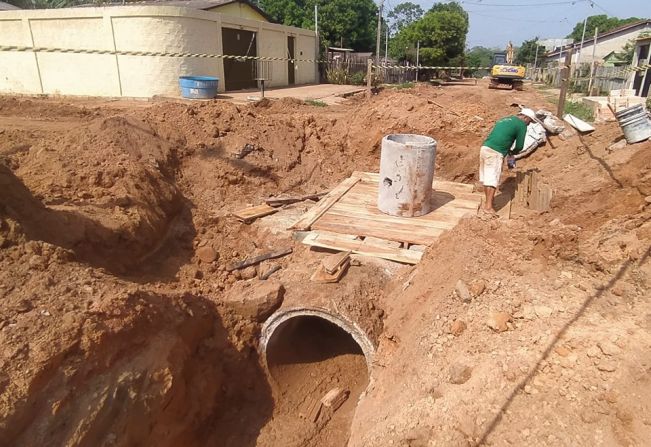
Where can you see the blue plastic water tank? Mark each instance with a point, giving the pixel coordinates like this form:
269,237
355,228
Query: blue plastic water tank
198,87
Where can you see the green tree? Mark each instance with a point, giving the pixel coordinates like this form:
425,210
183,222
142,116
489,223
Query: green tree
351,23
449,7
480,57
526,54
404,14
602,21
47,4
442,34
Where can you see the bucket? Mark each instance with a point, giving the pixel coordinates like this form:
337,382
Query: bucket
198,87
635,124
406,174
629,111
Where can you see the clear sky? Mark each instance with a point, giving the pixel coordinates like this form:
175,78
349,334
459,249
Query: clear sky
494,26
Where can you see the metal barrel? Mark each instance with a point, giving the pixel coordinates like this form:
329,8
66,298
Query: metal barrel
635,123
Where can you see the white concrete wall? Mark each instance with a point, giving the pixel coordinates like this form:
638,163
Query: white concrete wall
130,28
609,44
605,45
273,43
305,71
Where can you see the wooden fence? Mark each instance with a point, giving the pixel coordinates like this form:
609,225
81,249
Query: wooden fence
604,79
351,71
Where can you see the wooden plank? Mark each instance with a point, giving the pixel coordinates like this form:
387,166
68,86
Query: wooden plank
335,398
306,221
372,192
331,223
332,263
438,201
248,215
282,200
443,185
439,198
258,259
445,214
321,276
343,243
403,223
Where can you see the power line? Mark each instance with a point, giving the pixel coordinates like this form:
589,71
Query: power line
516,19
520,5
600,7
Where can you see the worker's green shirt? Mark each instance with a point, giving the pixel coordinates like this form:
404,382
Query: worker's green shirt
504,133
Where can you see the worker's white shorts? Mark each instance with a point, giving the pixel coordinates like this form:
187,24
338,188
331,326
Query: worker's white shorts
490,166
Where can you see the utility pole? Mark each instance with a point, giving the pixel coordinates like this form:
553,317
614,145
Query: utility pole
417,57
318,46
535,63
565,82
386,46
594,47
578,56
379,32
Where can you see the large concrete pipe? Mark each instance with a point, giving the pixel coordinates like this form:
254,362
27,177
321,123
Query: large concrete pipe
285,315
406,174
351,309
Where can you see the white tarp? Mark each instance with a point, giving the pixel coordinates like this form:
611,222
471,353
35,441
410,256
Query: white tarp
536,135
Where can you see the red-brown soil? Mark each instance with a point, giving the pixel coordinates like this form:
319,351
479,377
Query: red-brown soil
113,330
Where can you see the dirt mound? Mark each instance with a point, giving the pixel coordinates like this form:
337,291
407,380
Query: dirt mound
105,191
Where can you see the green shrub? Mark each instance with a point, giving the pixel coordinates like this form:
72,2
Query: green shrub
343,76
579,110
405,85
337,75
358,78
315,103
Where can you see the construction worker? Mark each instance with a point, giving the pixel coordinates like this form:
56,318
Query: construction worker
496,147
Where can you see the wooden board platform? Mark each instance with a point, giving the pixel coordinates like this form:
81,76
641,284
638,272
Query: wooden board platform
348,243
352,210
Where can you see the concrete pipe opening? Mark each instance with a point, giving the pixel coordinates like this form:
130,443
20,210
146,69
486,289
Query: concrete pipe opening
309,353
287,324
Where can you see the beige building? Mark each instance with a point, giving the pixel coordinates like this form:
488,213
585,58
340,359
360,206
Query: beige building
641,79
608,42
108,50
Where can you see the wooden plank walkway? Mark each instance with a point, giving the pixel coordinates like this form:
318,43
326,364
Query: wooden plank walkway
355,212
349,213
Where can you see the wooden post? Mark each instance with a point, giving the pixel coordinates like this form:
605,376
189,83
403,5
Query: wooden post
565,81
369,75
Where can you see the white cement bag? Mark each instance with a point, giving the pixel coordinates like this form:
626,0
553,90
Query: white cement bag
536,135
551,123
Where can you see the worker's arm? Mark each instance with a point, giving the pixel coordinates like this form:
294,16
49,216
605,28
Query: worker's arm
519,140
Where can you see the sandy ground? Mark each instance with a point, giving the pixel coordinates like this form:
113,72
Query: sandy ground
116,326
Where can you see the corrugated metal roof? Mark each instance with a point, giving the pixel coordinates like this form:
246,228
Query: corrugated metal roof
7,7
194,4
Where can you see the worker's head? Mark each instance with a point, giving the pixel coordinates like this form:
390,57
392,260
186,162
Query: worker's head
527,115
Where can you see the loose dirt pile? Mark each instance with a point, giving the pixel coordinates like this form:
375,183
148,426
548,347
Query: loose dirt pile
115,328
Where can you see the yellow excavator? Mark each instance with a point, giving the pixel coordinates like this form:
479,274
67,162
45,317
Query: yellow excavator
504,73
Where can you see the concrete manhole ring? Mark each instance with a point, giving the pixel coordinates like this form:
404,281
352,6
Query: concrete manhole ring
283,315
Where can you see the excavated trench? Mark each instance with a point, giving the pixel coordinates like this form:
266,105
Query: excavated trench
191,378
